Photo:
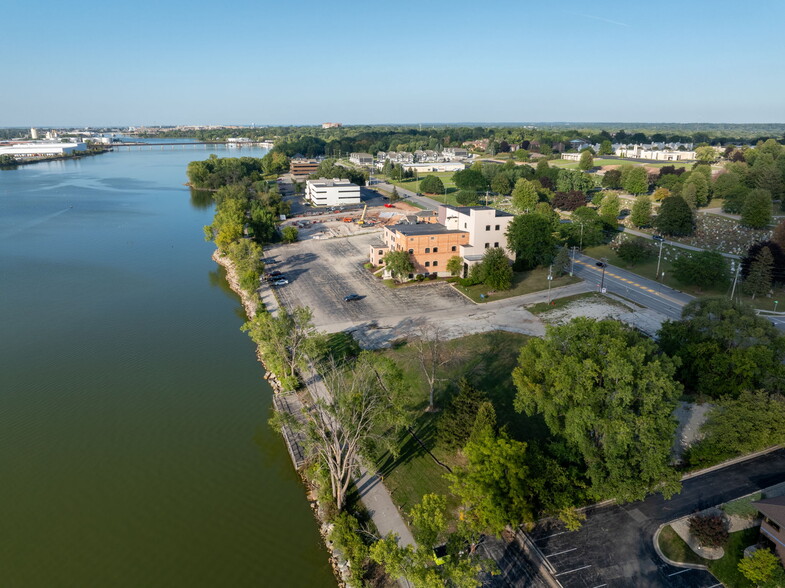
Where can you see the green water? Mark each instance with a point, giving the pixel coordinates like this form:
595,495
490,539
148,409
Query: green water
134,449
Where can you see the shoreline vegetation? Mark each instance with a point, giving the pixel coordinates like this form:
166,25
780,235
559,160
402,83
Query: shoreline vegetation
78,155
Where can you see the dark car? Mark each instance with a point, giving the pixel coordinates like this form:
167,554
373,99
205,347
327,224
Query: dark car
657,237
352,297
274,274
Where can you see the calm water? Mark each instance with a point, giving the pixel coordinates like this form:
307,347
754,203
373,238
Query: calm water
134,449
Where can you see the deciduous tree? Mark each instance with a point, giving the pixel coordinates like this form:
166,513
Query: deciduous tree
524,195
530,236
641,211
398,263
675,217
609,393
636,180
432,185
756,210
586,162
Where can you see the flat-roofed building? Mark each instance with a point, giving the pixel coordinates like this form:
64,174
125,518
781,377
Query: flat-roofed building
487,228
303,167
331,192
430,246
361,158
41,149
451,153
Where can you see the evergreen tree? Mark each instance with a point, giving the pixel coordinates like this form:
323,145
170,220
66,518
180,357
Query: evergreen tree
758,282
561,263
756,212
675,217
587,161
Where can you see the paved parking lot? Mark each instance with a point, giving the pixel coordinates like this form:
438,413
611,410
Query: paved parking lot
322,272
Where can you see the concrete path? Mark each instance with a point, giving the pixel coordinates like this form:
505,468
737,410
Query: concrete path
677,244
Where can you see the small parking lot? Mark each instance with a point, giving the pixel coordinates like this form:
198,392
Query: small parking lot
322,272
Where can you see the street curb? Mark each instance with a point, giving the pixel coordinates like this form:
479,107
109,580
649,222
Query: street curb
730,462
656,540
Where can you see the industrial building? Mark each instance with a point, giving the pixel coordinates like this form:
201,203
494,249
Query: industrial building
41,149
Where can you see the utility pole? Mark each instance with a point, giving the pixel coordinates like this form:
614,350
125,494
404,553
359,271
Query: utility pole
572,267
735,279
658,259
582,236
550,279
603,264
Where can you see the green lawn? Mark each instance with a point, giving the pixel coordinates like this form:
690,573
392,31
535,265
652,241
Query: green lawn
487,359
726,568
522,283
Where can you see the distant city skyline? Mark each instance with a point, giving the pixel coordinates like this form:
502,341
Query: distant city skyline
241,62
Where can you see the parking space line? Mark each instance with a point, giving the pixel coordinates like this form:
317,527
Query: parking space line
549,536
561,552
600,585
570,571
679,572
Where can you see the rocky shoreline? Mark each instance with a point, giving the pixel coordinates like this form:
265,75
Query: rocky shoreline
339,565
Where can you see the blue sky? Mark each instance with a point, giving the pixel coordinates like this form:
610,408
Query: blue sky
138,62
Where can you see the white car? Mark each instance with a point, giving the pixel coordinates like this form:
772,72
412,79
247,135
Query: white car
280,282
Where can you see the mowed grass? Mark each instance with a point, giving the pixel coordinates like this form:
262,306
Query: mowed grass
535,280
726,569
487,360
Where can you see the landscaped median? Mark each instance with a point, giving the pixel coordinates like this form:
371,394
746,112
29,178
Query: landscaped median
527,282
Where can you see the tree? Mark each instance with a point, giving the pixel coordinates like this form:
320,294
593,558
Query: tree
586,228
466,198
289,234
561,263
455,424
432,185
610,209
398,263
606,148
705,269
675,217
779,234
777,256
738,426
706,154
455,265
690,194
710,530
501,184
698,180
493,486
571,179
524,195
609,393
724,348
470,179
586,162
761,567
641,211
660,194
636,181
758,282
494,270
572,200
285,341
361,414
531,238
394,196
433,355
635,251
612,179
756,211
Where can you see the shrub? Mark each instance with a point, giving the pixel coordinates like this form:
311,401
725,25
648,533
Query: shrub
709,530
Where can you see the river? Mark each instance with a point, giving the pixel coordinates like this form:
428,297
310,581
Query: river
134,445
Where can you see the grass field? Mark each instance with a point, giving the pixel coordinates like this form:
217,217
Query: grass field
487,359
522,283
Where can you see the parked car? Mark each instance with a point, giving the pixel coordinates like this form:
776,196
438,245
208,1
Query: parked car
352,297
388,205
273,274
281,282
657,237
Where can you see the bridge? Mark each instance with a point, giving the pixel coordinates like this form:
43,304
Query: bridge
184,145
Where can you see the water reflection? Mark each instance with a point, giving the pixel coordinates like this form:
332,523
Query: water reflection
201,198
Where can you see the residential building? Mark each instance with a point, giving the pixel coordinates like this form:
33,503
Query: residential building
478,145
444,166
303,167
361,158
453,153
579,144
331,125
638,152
331,192
772,528
571,156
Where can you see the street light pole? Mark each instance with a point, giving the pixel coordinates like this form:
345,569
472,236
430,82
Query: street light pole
550,278
572,267
735,279
582,236
603,264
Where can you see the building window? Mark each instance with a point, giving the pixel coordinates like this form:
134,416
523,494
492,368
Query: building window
495,244
381,252
772,524
427,250
487,245
497,227
435,263
454,248
411,251
411,276
427,264
436,250
487,227
464,225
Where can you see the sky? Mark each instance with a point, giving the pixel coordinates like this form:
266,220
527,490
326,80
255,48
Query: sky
161,62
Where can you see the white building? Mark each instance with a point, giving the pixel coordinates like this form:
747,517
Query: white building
487,228
638,152
334,192
361,158
453,153
41,149
33,133
444,166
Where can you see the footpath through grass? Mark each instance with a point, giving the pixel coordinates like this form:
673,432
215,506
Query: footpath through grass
535,280
487,360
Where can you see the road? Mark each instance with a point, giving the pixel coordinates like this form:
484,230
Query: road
427,203
631,286
677,244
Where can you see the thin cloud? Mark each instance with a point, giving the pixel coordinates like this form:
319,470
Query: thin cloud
603,19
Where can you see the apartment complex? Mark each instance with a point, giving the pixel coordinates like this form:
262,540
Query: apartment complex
331,192
361,158
638,152
303,167
463,231
772,528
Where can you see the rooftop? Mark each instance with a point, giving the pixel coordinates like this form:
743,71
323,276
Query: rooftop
330,182
422,229
774,508
467,209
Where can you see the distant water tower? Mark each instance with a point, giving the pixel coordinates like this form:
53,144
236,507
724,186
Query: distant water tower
33,134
